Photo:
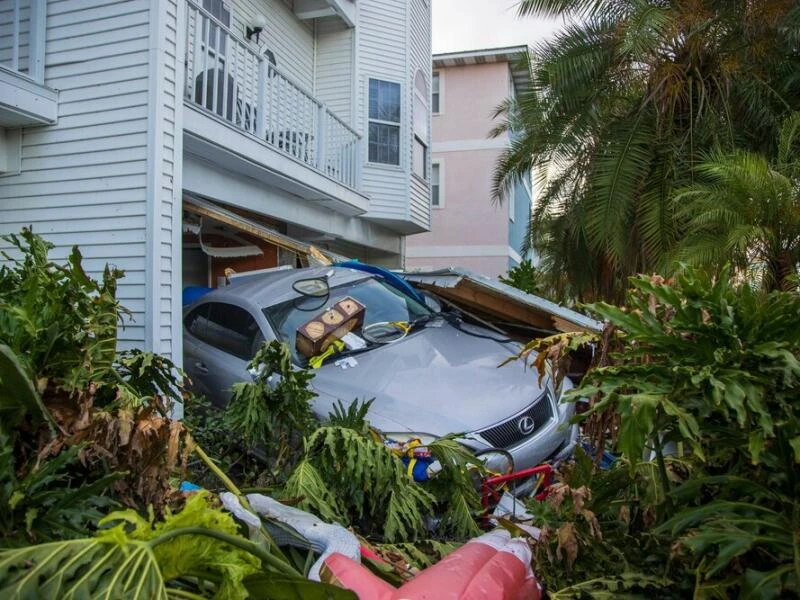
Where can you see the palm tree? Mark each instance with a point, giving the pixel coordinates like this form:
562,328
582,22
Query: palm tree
745,210
622,106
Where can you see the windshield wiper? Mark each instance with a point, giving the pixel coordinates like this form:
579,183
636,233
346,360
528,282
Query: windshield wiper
422,320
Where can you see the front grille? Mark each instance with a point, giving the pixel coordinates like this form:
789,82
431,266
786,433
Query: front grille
508,433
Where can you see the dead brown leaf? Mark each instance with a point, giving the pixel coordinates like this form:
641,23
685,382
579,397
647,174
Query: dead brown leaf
567,544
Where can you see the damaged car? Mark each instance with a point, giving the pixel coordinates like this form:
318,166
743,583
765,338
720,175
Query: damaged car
368,334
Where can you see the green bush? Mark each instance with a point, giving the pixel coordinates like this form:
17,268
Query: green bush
699,392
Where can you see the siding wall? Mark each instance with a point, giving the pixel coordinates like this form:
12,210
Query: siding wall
6,36
419,44
381,53
164,179
334,71
85,180
290,39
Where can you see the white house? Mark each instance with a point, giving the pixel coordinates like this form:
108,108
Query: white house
176,138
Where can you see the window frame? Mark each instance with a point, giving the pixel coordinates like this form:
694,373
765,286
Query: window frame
398,124
424,97
437,76
218,54
439,164
204,337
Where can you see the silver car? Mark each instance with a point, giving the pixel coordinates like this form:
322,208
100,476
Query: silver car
430,373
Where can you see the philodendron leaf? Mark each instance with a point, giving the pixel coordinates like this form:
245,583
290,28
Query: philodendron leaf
85,568
17,394
276,587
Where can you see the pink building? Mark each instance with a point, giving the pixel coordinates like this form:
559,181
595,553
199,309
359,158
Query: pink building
468,229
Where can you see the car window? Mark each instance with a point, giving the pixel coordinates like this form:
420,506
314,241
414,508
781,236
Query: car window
195,321
228,328
382,302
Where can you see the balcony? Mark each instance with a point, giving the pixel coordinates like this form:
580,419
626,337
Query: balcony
315,9
24,99
226,81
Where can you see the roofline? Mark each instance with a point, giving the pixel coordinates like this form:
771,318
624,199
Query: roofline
502,53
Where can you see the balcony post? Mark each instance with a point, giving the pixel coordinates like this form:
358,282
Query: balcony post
322,138
261,104
38,25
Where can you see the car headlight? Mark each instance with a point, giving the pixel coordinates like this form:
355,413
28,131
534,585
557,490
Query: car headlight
497,461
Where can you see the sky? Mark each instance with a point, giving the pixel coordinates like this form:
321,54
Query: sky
477,24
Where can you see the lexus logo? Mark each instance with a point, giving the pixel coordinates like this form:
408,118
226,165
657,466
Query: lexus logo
526,425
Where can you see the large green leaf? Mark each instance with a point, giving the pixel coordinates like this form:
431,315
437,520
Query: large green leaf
17,394
275,587
77,569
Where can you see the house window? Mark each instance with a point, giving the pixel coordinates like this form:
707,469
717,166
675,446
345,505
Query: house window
435,95
512,204
421,117
437,196
384,122
220,11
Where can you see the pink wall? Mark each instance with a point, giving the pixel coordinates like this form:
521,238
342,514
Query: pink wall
471,93
469,217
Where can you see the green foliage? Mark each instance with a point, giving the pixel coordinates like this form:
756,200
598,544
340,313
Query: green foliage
195,553
48,502
353,417
306,484
524,277
744,209
271,417
623,102
420,554
701,351
708,369
530,279
350,476
18,397
369,483
145,378
60,321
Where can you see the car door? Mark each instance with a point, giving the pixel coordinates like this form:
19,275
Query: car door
226,337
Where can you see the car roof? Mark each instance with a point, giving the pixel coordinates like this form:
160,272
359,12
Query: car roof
268,289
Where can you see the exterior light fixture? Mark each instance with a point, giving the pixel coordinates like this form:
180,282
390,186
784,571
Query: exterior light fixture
256,26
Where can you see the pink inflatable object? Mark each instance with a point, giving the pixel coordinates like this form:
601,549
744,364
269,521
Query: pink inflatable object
491,566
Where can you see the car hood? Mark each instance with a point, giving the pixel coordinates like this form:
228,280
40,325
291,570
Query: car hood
438,380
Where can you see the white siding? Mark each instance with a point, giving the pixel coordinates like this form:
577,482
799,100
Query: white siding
290,39
83,180
163,334
419,44
381,49
6,35
105,177
335,75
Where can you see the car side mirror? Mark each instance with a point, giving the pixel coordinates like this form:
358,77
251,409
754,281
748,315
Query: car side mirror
432,302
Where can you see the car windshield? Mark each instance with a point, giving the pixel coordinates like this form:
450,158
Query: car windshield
382,302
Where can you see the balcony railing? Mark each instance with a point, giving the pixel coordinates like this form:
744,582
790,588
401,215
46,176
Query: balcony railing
226,77
22,37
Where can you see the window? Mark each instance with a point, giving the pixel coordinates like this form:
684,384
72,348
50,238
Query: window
420,154
220,11
437,199
226,327
384,122
512,204
435,95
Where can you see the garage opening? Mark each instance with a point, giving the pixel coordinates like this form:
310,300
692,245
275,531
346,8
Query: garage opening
220,241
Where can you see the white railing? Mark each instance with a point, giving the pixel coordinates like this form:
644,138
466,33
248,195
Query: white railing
226,77
22,37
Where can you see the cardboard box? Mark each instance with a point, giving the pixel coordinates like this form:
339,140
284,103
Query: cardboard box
316,335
